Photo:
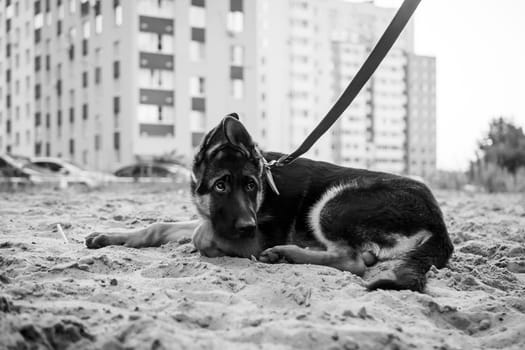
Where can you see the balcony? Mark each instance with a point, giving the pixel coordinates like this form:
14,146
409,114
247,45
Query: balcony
157,97
156,61
198,104
157,130
236,72
156,25
198,34
196,138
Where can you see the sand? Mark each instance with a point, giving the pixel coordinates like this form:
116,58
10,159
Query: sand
56,295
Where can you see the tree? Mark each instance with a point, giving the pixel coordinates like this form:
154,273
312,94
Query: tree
504,146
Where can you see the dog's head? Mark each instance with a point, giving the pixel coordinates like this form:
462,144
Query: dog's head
227,181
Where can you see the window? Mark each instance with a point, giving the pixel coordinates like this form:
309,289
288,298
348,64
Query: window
236,16
71,52
116,105
37,35
85,111
71,146
37,119
197,121
98,16
159,110
98,73
117,7
116,69
197,51
37,91
98,24
237,88
60,10
237,55
84,47
37,63
116,140
38,148
59,118
86,29
196,86
97,142
84,79
197,17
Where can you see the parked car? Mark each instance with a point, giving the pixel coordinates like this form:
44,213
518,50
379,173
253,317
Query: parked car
151,172
73,173
18,169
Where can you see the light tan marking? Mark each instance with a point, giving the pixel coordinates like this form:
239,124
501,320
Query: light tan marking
401,248
315,213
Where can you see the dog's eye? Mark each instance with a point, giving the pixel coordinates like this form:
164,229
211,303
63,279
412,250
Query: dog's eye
251,186
220,186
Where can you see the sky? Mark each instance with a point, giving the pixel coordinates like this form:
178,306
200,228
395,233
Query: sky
479,47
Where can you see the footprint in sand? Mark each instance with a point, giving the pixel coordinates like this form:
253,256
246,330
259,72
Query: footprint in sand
176,270
468,322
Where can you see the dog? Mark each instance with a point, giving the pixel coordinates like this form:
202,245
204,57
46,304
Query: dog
307,212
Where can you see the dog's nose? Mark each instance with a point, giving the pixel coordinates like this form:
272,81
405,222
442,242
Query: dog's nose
246,227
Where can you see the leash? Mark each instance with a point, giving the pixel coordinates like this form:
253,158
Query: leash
368,68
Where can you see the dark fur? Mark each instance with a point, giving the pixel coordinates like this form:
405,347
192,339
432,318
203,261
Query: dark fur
376,206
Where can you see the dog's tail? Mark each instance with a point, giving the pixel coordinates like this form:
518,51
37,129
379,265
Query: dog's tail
411,272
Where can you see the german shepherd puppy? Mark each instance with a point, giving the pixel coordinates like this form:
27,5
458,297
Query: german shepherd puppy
324,214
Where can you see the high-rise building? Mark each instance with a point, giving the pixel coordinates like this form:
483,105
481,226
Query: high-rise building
421,118
309,55
105,82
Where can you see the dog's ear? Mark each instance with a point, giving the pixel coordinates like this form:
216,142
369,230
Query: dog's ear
235,133
230,130
234,115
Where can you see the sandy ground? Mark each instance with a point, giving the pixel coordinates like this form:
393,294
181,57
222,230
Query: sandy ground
56,296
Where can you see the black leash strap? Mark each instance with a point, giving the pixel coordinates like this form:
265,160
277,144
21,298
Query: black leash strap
377,55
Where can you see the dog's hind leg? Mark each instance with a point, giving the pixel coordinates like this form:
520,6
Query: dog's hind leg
342,258
151,236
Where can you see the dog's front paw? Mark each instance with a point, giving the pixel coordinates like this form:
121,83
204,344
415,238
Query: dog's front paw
272,256
97,240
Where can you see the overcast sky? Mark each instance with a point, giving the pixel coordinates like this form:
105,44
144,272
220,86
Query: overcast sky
480,51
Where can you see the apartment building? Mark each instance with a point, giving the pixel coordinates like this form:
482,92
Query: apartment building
105,82
421,117
314,49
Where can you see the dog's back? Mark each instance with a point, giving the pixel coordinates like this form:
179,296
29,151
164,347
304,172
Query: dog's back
394,217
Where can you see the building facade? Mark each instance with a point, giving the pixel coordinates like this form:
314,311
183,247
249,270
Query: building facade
421,118
106,82
317,46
